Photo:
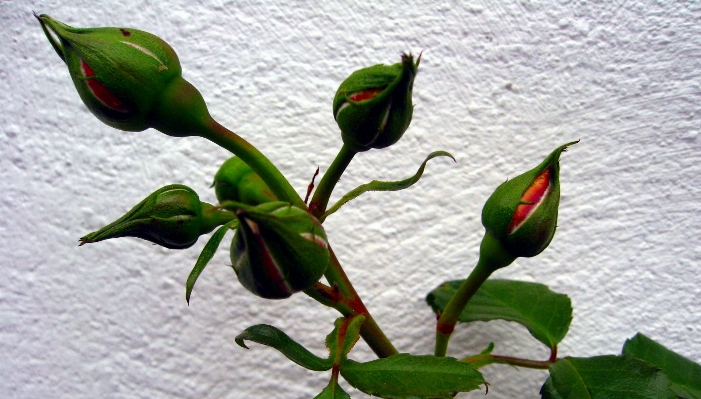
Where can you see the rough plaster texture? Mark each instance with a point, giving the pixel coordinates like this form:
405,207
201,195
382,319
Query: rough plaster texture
501,84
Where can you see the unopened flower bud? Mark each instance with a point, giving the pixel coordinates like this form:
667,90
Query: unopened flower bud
172,216
128,78
522,212
373,105
278,249
236,181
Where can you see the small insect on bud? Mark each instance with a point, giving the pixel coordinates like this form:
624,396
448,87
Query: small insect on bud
172,216
278,249
522,212
236,181
373,105
129,79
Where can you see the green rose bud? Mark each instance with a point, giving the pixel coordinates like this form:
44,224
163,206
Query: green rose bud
373,105
522,212
236,181
129,79
172,216
278,249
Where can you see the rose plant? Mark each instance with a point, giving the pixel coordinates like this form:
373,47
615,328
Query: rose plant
131,80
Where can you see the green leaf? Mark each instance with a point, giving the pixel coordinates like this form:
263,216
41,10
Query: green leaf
546,314
684,374
605,377
404,376
377,185
271,336
343,337
206,255
333,391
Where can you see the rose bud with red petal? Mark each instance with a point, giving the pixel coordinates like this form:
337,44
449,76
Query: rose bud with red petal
522,212
278,249
172,216
373,105
236,181
128,78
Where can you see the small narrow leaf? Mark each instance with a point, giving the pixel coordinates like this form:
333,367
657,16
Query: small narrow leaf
377,185
684,374
546,314
273,337
333,391
206,255
343,337
405,376
482,359
604,377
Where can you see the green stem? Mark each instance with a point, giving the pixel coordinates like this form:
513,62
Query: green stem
320,200
282,189
492,257
370,331
278,184
267,171
513,361
212,217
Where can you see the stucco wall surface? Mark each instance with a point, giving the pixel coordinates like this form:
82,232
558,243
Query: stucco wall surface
501,84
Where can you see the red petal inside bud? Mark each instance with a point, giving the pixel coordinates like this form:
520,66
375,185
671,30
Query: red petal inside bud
315,238
101,93
364,95
530,200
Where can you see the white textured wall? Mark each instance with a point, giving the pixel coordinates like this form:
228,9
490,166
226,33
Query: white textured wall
501,85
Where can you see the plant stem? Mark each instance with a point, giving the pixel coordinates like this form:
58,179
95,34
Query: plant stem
282,189
267,171
492,257
449,316
320,200
370,330
513,361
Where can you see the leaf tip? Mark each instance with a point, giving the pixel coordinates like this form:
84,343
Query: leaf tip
240,342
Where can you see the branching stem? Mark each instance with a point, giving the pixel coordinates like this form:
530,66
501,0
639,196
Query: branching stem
320,200
278,184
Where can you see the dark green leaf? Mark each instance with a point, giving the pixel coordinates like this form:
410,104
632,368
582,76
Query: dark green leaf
344,335
206,255
377,185
405,376
605,377
333,391
684,374
271,336
546,314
